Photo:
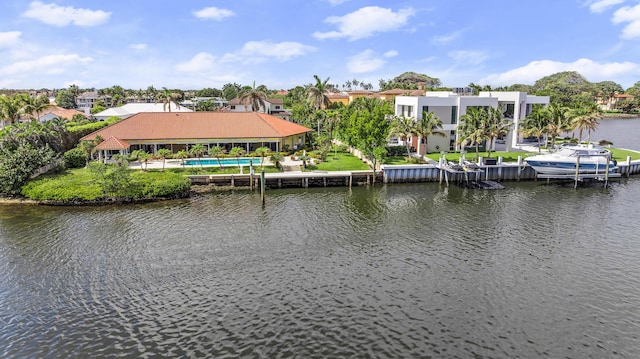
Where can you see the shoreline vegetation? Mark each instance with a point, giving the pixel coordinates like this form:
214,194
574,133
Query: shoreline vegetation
120,184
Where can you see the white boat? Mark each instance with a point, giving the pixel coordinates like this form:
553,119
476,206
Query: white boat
592,160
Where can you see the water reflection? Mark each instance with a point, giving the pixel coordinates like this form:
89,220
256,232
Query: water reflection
393,271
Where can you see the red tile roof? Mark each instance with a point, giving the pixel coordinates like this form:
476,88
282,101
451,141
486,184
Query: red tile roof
61,112
112,143
199,125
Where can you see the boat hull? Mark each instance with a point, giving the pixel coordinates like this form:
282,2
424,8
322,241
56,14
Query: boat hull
558,168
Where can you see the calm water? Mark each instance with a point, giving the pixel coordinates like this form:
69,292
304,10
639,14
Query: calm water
387,272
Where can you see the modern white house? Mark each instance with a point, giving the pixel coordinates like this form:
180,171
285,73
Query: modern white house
130,109
449,107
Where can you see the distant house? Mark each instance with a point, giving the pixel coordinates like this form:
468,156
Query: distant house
85,101
55,111
130,109
608,104
273,106
151,131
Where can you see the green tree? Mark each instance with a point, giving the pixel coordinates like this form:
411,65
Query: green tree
182,155
198,150
585,118
318,93
164,153
536,124
231,90
65,99
495,127
217,151
428,125
237,152
470,129
262,152
253,97
404,128
168,97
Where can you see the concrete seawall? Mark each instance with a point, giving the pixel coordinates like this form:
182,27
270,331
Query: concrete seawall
388,174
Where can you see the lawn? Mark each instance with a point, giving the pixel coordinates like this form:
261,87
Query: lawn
342,161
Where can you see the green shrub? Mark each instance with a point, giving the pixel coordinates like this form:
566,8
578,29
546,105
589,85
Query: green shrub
75,158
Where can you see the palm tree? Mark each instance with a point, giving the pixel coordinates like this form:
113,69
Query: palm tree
559,122
164,153
9,109
237,152
167,98
585,118
404,128
317,94
262,153
428,126
495,126
198,150
253,97
471,129
217,151
182,155
536,124
276,159
141,156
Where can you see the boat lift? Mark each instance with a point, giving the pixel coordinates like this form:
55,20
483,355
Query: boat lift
582,177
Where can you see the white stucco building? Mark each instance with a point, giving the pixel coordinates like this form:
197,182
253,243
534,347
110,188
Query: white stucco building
449,107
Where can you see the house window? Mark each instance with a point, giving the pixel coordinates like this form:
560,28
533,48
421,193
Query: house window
409,111
425,109
233,107
454,114
277,107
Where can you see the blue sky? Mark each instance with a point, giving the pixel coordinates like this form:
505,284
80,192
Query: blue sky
283,43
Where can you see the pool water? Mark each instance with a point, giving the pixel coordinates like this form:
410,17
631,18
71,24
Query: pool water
243,161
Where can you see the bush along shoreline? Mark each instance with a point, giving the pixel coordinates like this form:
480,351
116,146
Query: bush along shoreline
100,184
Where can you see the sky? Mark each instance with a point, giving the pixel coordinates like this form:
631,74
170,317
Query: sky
195,44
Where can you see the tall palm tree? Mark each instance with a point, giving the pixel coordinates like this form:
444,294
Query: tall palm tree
471,130
253,97
262,153
495,126
318,93
404,128
198,150
217,151
428,125
536,124
585,118
164,153
237,152
182,155
559,121
167,98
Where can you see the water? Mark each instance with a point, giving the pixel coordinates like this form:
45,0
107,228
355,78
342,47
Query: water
243,161
393,271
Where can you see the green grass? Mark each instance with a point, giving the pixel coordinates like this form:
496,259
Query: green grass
621,155
344,161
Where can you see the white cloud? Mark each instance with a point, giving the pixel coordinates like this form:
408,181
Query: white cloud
591,70
599,6
50,64
445,39
9,38
336,2
259,51
213,13
391,53
365,22
366,61
465,57
632,16
139,47
200,62
53,14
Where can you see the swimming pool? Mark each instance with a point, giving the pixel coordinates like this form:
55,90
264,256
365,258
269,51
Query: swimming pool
244,161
